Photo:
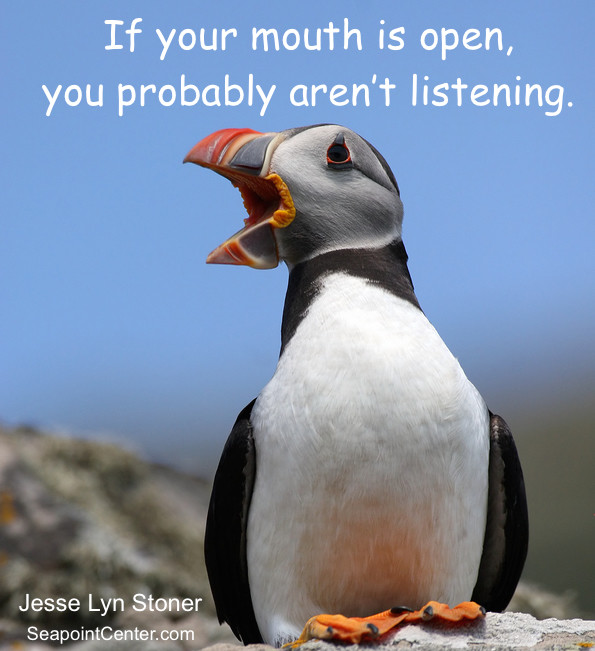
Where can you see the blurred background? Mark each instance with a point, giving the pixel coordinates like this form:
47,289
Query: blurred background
112,326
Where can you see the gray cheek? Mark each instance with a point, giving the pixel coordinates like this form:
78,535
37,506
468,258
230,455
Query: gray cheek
301,239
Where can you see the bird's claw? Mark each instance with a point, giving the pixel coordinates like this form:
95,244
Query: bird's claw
356,630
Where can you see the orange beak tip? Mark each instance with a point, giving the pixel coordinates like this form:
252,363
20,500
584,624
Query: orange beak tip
211,150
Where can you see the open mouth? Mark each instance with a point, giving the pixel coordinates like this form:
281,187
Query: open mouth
266,198
269,205
243,156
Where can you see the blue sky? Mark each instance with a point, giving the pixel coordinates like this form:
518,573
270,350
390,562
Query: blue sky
111,322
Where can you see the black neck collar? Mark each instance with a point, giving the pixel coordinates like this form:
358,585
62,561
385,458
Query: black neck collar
385,267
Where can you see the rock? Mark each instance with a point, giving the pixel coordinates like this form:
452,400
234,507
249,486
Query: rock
497,632
542,604
80,518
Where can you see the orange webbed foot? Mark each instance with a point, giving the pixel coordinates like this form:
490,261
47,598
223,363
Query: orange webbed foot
356,630
433,610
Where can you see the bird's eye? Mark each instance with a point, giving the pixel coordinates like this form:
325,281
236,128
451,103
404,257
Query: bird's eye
337,155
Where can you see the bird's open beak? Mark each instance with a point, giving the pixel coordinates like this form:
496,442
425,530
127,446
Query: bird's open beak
243,156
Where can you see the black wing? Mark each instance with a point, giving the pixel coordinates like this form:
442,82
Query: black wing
225,536
507,527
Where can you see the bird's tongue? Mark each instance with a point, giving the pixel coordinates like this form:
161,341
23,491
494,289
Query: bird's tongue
256,208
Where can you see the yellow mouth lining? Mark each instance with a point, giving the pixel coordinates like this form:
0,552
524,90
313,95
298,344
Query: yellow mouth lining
285,214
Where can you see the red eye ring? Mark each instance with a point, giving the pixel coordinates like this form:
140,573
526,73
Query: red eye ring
338,155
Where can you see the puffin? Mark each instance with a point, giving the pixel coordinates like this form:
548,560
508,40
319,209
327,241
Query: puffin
368,484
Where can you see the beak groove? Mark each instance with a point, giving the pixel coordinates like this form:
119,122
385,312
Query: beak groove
211,151
251,157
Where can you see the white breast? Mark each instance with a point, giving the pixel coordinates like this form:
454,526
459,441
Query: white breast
372,466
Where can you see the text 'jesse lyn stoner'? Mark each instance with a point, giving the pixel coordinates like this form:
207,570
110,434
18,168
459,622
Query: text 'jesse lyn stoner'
139,602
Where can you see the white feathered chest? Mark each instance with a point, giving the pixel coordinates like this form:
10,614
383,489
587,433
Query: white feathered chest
372,457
